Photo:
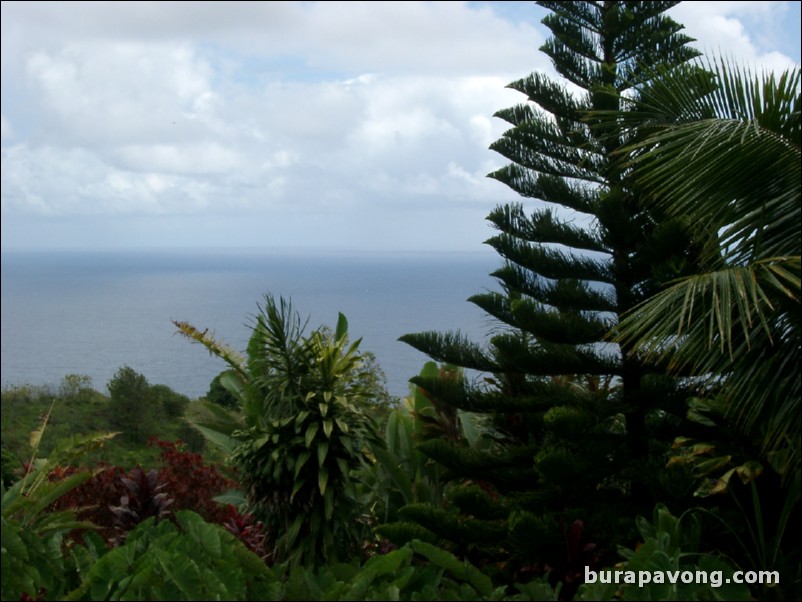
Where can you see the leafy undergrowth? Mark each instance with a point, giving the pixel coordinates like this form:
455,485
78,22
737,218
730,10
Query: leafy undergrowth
116,500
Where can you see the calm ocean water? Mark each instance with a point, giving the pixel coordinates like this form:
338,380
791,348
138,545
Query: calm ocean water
91,313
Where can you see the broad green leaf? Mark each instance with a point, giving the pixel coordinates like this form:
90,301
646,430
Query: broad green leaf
699,449
292,533
235,383
208,537
705,467
180,571
378,566
322,479
322,452
342,328
235,497
12,543
223,586
461,570
302,416
400,477
221,440
297,486
700,418
311,432
300,462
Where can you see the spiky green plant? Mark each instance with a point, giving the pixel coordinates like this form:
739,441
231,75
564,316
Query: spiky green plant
34,563
302,433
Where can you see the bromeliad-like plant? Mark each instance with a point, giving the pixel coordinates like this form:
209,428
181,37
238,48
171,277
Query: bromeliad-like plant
302,433
145,497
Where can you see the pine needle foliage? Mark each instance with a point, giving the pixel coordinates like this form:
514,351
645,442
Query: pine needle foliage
580,423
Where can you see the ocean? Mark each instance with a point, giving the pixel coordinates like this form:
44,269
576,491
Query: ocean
91,313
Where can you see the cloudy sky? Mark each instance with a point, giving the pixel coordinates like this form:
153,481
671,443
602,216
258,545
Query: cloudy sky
352,125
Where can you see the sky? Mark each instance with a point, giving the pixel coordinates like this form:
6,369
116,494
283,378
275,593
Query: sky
302,125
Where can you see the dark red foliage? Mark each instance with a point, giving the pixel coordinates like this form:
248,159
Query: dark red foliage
191,483
249,532
145,498
94,499
116,500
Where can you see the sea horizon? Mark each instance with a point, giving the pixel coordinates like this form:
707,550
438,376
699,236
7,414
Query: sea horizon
89,311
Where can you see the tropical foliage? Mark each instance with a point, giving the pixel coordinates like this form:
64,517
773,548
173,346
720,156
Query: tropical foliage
727,161
403,474
645,357
188,559
33,564
581,428
303,433
720,148
670,547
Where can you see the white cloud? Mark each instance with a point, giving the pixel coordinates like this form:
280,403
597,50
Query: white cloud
56,182
337,122
413,37
102,94
722,28
420,38
203,158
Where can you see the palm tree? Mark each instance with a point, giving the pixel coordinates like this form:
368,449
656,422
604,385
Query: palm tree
720,147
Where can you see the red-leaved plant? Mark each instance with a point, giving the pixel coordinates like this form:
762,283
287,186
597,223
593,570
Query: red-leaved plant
116,500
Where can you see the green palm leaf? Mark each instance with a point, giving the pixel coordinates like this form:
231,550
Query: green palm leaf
720,148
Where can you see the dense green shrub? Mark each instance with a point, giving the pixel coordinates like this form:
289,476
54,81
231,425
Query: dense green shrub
221,396
132,409
172,404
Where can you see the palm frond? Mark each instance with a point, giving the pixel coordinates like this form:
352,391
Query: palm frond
727,328
719,148
712,311
700,149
